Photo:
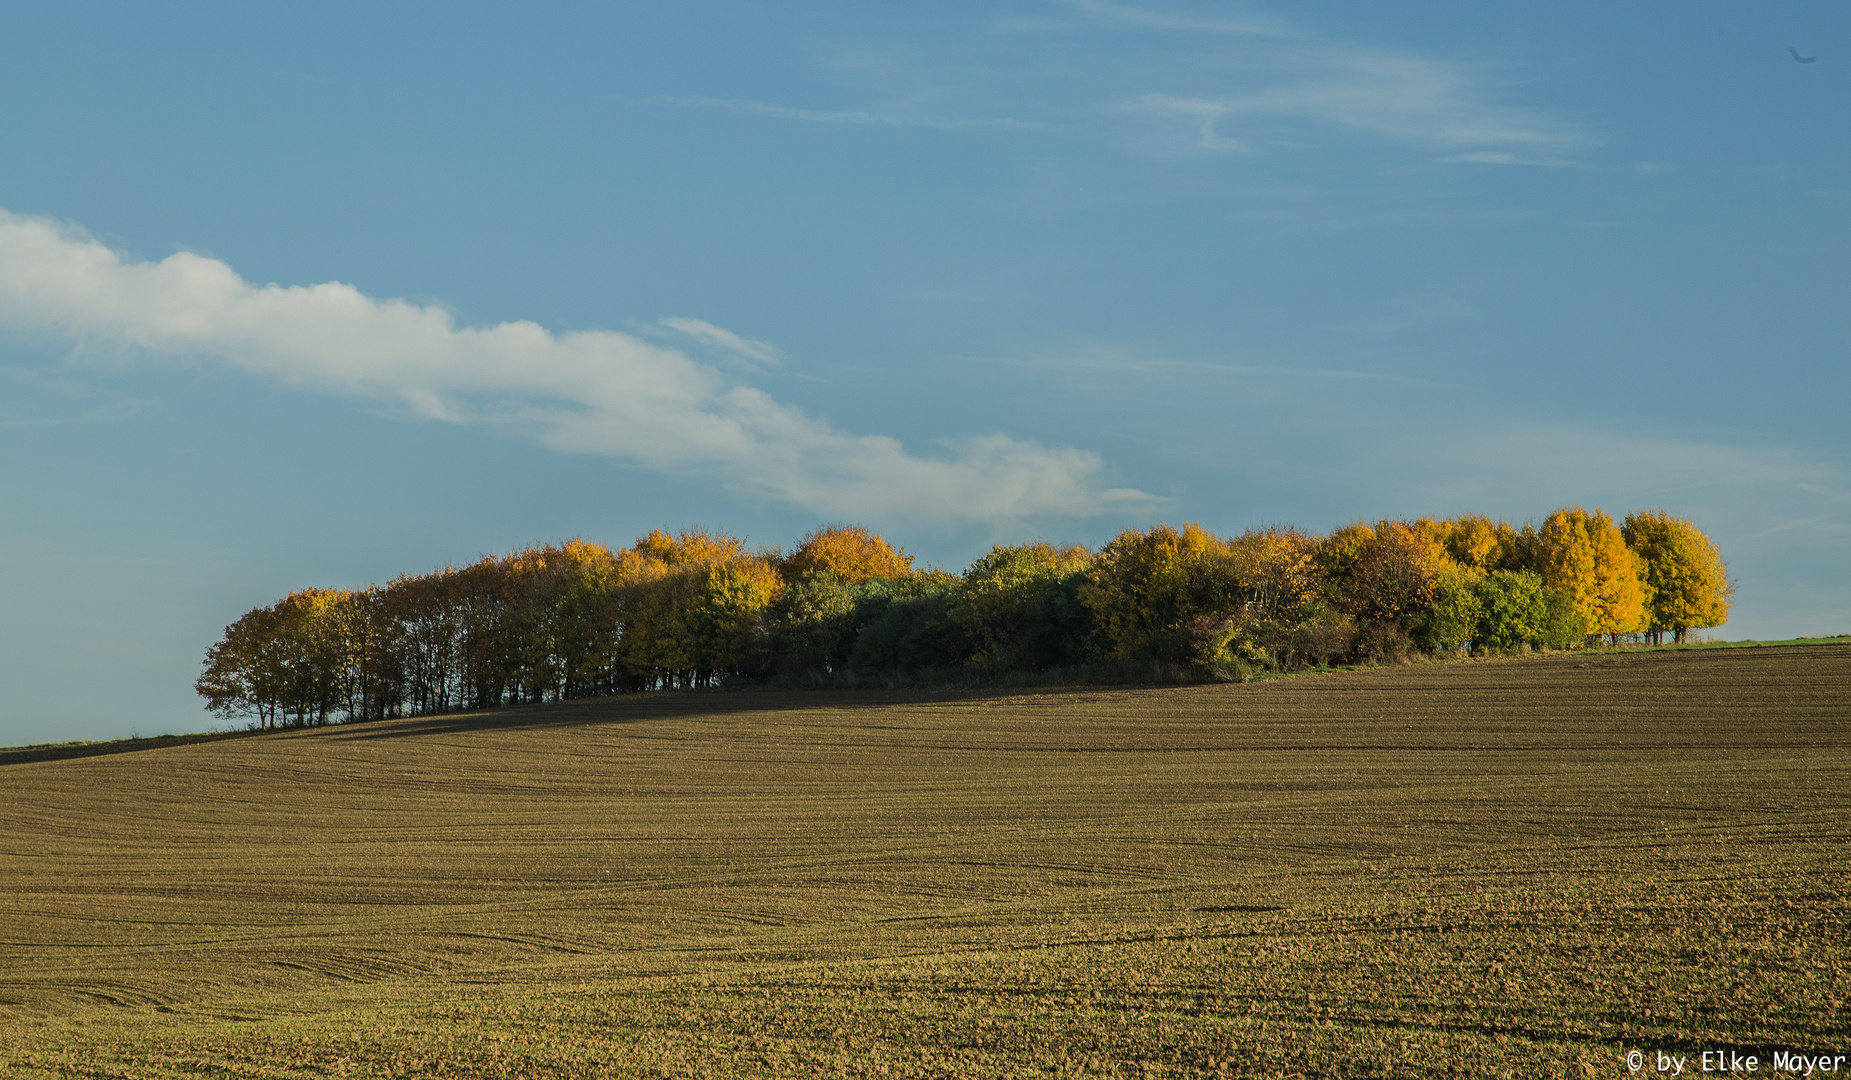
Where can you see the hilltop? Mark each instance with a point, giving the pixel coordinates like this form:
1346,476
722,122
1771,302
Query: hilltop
1527,864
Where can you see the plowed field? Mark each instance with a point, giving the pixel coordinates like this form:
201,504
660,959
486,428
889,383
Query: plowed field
1521,867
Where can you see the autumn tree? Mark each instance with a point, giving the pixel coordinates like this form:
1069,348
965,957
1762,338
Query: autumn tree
1005,598
1276,571
247,671
363,653
690,605
1479,542
1585,556
686,609
480,605
1686,584
1337,555
1146,590
1394,576
850,552
427,613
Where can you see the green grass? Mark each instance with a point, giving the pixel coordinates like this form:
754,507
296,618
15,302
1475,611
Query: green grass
1747,643
1509,867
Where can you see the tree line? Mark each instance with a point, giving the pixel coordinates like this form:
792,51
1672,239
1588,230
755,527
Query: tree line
697,608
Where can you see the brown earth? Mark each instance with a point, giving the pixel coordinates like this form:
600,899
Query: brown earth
1534,864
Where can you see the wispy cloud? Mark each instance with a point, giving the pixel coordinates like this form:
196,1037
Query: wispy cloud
750,349
1150,19
1209,80
1387,94
596,392
1499,157
1120,363
841,116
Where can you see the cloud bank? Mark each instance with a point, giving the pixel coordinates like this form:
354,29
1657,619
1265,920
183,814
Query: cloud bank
593,392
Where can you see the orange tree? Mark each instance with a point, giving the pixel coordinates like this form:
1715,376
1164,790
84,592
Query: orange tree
850,552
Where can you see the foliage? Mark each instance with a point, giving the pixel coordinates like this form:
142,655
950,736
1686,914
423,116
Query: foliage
1320,636
1452,620
850,552
1516,608
1147,588
1686,584
906,625
697,608
1276,571
1585,556
1007,601
1393,577
692,607
1479,542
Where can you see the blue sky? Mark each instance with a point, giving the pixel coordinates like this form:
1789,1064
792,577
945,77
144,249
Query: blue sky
317,296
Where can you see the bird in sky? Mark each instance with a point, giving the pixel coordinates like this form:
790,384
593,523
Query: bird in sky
1801,59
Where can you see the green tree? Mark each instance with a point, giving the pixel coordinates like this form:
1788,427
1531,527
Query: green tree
1516,607
1001,596
1453,618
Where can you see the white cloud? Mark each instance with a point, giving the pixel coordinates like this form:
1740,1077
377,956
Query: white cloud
596,392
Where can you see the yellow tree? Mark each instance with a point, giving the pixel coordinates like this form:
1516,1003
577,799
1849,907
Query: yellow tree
1585,556
1686,584
850,552
1145,588
729,601
586,637
1338,554
690,545
689,605
638,610
1277,569
1479,542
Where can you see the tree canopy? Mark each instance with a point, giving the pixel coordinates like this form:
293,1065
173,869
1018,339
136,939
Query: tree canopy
1686,585
696,608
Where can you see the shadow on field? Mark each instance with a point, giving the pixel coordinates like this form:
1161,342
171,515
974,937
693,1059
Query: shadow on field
624,709
662,705
19,755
